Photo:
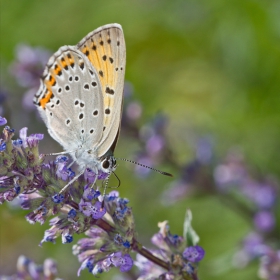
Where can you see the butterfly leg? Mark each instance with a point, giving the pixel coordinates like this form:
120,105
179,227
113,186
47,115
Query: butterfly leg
71,164
72,181
60,153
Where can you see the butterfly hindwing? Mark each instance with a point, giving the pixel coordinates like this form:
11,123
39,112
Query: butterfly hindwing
70,100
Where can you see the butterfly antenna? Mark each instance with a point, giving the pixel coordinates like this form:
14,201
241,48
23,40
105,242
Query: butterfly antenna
143,165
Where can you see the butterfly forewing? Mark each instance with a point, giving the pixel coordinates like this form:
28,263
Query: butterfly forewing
105,49
69,100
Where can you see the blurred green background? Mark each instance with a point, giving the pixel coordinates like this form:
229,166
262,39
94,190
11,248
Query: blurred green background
212,66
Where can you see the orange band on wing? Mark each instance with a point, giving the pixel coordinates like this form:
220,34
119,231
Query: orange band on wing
46,99
57,70
51,82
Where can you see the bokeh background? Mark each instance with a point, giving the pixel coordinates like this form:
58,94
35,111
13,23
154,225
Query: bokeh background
212,67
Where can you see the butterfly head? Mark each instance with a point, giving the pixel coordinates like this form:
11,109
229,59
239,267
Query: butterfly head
107,164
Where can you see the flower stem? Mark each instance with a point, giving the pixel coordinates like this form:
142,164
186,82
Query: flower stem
137,247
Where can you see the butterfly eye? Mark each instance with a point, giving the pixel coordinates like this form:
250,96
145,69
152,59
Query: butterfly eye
105,164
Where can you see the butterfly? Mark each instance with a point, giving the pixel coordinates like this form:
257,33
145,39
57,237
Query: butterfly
80,98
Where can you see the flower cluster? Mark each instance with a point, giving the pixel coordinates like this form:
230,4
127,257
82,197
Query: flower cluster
28,269
183,261
106,220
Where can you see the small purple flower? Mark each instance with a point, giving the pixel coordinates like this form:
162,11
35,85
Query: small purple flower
126,244
17,189
58,198
112,196
89,266
61,159
253,245
124,262
9,130
30,141
33,139
133,111
50,234
264,196
23,136
102,175
102,266
90,176
38,215
3,145
264,221
85,207
154,145
72,214
29,64
63,172
194,253
17,143
10,194
3,121
66,238
96,210
50,268
90,193
189,268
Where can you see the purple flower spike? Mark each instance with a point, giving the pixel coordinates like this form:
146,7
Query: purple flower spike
194,254
124,262
3,121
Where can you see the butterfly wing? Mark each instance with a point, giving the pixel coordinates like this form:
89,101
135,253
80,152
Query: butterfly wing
105,49
70,100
